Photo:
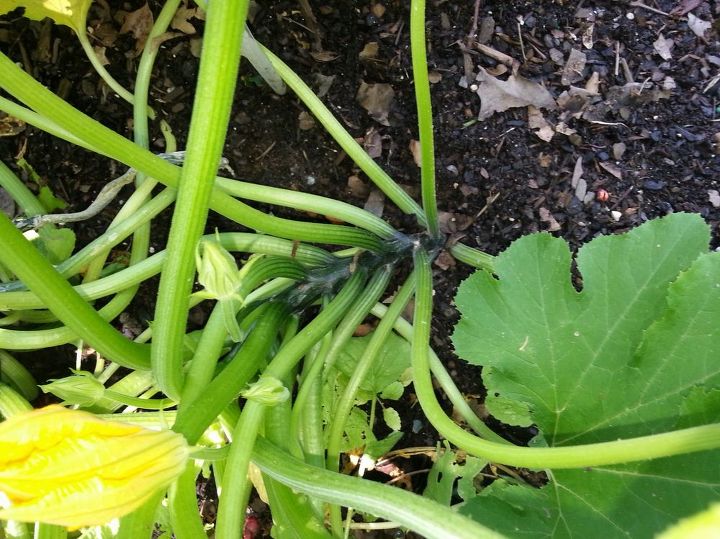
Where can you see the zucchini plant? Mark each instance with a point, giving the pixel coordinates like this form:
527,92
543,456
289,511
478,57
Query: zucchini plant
268,393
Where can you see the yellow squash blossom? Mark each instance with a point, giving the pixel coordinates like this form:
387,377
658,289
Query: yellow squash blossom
73,469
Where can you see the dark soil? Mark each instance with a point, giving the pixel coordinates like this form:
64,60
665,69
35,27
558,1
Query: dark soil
642,155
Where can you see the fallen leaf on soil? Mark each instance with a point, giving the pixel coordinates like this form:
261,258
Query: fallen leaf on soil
372,143
324,56
181,20
539,125
375,203
376,99
100,53
587,37
416,153
454,222
445,261
139,23
11,126
370,51
612,169
683,7
697,25
714,197
358,187
497,95
573,70
547,217
577,172
305,121
619,150
663,46
581,189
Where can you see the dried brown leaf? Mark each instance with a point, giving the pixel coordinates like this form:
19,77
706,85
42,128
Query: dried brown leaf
497,96
376,99
139,23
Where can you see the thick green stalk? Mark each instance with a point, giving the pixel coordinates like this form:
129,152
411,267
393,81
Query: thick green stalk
140,524
182,502
46,338
28,202
352,319
49,531
419,514
37,273
13,372
473,257
236,483
366,163
102,140
344,405
211,114
405,330
309,202
580,456
195,416
207,353
424,112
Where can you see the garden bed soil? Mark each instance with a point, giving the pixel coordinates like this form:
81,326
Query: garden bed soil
637,140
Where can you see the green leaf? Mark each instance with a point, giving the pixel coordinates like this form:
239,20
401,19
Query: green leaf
392,418
388,367
634,353
70,13
377,448
49,201
56,244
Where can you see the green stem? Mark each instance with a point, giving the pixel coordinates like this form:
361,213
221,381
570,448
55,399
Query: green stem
49,531
13,372
422,515
11,402
107,77
195,416
211,114
140,524
473,257
28,202
309,202
207,353
352,319
37,273
366,163
424,112
182,502
237,485
405,330
344,405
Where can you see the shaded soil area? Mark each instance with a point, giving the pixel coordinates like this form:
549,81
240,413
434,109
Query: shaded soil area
630,130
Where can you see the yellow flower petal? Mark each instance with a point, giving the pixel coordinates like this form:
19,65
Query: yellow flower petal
72,13
70,468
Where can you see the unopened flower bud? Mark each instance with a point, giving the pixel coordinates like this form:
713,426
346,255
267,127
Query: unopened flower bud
82,389
217,271
268,391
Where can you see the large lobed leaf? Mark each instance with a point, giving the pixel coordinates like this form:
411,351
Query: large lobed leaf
635,352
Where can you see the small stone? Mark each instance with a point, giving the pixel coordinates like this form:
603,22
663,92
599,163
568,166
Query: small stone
616,215
654,185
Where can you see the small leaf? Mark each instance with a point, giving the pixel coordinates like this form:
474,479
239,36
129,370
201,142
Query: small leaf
56,244
392,418
49,201
389,366
377,448
70,13
393,391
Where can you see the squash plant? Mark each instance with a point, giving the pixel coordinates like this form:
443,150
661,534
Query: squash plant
618,376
